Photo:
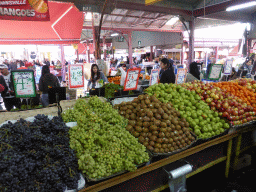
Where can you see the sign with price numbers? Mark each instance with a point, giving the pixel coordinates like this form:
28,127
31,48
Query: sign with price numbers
23,83
181,76
228,67
76,76
215,72
154,77
132,78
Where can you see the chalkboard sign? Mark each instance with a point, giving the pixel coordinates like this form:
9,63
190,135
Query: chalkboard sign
215,72
76,76
23,83
154,77
131,80
181,76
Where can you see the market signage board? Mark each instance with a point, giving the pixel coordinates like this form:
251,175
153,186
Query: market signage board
76,76
23,83
132,79
24,10
215,72
38,74
181,76
154,77
149,2
228,67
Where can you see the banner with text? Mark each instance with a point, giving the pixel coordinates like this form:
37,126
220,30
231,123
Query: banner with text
24,10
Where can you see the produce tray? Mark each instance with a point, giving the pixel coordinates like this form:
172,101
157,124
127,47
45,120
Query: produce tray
176,151
237,127
214,137
116,174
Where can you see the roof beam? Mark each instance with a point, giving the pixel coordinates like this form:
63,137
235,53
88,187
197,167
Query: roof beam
151,22
139,19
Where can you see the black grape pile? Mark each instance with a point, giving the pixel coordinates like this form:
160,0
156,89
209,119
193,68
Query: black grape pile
35,156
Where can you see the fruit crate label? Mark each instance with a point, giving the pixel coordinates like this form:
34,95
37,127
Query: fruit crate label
215,72
154,77
181,76
132,79
76,76
23,83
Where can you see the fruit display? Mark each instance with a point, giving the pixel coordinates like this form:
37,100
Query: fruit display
110,89
227,105
204,122
246,82
27,107
157,125
249,97
35,156
115,80
102,144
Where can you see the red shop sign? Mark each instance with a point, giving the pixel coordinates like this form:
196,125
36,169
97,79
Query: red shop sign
24,10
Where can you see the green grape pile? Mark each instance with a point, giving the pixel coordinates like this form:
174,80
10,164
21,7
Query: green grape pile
101,142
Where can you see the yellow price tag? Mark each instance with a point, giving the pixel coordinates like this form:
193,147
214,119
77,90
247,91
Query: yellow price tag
149,2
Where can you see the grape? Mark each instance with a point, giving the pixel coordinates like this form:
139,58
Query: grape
102,144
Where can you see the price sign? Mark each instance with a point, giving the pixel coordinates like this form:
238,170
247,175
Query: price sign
23,83
76,76
38,74
215,72
131,80
228,67
154,77
181,76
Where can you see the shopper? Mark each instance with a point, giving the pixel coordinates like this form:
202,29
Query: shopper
46,81
96,76
166,74
3,89
11,101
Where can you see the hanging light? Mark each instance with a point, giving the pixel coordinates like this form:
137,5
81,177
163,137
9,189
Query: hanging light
172,21
114,34
241,6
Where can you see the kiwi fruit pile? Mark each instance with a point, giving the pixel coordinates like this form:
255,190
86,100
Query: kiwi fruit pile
157,125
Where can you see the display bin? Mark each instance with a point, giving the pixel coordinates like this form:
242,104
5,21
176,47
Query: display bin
100,92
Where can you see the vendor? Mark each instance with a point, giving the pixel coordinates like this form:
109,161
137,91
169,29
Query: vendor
96,76
166,74
46,81
9,100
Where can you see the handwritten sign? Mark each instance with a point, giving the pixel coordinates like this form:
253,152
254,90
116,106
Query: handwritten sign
76,76
181,76
215,72
132,78
154,76
24,83
228,67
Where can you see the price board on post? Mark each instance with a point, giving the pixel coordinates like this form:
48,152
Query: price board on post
215,72
228,67
181,76
154,77
23,83
76,76
131,80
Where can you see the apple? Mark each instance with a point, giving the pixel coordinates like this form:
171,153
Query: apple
225,114
225,105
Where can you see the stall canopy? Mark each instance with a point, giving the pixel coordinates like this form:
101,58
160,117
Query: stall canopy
65,27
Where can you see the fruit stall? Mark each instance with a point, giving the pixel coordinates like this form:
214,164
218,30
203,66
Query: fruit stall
127,143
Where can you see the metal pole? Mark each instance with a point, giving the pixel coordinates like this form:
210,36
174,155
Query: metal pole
191,53
104,47
63,65
151,53
228,157
130,48
88,51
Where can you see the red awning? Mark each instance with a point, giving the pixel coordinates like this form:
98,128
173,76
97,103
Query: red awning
235,51
65,27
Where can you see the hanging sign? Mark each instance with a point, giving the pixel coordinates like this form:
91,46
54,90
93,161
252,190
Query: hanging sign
76,76
154,77
215,72
24,10
228,67
132,79
23,83
181,76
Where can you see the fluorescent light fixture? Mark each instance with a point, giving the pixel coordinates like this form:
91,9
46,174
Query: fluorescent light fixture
241,6
88,16
172,21
248,26
114,34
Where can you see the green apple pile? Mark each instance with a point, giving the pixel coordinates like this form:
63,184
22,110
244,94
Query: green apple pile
100,139
204,122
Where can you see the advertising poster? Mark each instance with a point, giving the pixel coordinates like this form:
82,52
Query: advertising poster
24,10
132,79
154,77
76,76
181,76
24,83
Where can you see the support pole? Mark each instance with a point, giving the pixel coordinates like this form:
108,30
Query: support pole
88,51
151,53
216,54
191,53
63,65
130,48
237,152
105,47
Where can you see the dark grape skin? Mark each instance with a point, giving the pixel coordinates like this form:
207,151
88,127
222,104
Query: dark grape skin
35,156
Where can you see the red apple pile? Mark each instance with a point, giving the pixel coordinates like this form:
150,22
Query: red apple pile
235,110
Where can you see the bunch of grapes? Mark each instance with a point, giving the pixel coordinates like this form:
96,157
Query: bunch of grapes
102,144
35,156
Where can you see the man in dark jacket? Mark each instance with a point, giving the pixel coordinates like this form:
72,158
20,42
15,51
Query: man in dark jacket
167,74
